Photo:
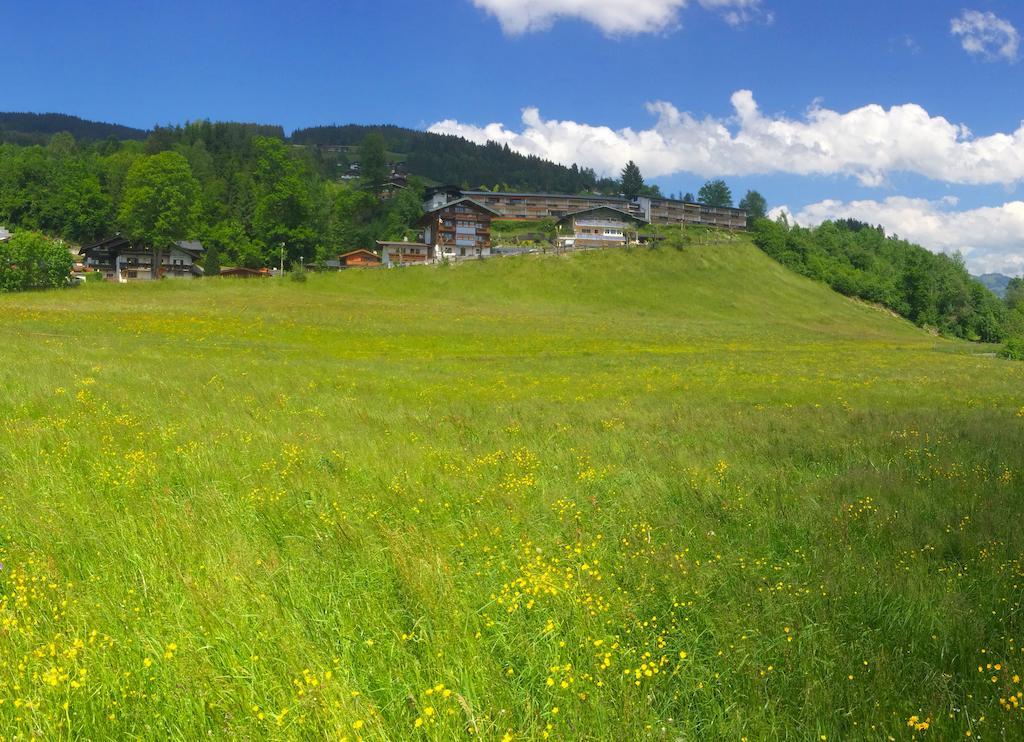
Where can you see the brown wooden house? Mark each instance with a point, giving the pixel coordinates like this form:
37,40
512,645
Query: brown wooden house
459,229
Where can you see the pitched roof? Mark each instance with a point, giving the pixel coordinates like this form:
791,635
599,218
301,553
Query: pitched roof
191,246
465,199
620,212
385,243
356,252
119,244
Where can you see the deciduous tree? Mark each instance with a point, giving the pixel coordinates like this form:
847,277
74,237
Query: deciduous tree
159,207
715,193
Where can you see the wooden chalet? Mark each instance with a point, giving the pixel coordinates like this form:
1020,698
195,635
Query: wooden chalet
405,253
118,259
599,226
459,229
361,258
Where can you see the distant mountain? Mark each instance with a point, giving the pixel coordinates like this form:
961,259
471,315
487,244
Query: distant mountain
453,160
995,282
37,128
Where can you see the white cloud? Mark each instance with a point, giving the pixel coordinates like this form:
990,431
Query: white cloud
613,17
866,143
987,35
990,238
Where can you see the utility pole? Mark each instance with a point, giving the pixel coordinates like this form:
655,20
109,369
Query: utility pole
282,258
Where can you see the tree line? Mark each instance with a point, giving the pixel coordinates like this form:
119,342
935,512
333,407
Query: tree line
240,188
930,289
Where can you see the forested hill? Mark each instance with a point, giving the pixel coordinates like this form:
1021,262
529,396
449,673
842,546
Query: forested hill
435,157
453,160
37,128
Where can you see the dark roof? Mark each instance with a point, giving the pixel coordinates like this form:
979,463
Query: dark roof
584,197
619,212
194,246
118,244
465,199
576,196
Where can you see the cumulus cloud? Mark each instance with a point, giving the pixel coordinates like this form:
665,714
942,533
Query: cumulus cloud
986,35
866,143
990,238
613,17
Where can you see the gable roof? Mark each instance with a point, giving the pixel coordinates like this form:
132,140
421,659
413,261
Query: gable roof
193,246
385,243
357,252
464,200
618,212
120,244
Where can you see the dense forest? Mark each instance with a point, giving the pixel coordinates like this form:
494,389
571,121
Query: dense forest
238,187
453,160
858,259
37,128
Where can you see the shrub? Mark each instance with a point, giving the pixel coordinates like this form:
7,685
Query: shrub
30,260
1013,349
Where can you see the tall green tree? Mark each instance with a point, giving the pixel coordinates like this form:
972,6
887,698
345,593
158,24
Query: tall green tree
631,181
715,193
159,207
1015,294
755,205
211,265
373,162
689,198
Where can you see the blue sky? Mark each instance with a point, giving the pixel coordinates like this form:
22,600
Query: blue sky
591,68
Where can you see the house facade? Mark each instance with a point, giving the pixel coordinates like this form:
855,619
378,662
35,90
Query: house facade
360,258
121,261
4,235
459,229
600,226
405,253
538,206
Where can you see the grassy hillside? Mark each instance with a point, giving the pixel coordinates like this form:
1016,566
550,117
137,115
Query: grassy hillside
621,495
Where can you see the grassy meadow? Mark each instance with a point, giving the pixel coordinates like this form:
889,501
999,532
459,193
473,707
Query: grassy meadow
639,494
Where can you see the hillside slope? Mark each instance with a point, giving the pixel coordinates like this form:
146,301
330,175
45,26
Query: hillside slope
595,496
37,128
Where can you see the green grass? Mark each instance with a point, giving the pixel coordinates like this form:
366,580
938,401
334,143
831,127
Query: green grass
633,494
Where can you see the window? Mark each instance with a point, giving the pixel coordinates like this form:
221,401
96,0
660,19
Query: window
462,251
133,274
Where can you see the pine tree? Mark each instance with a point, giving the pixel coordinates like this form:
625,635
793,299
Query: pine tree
211,266
632,182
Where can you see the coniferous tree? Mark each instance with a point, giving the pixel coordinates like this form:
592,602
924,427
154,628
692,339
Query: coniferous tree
632,182
755,205
373,162
211,266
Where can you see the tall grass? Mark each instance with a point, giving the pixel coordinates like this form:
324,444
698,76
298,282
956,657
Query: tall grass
623,495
